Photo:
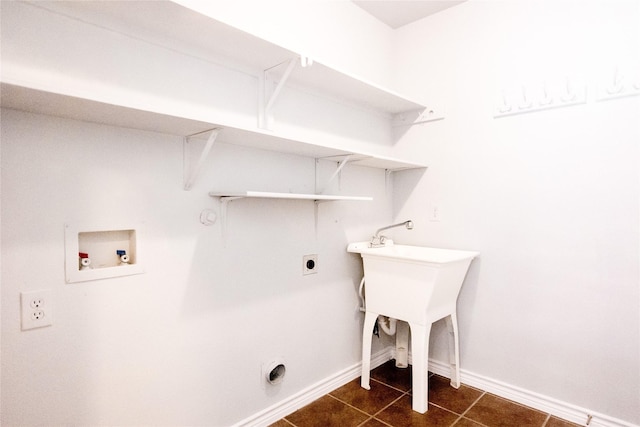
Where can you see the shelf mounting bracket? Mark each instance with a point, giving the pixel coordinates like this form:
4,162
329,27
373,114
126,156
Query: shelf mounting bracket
416,117
191,169
272,94
341,164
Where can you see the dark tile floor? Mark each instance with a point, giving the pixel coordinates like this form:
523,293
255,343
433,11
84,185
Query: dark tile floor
388,403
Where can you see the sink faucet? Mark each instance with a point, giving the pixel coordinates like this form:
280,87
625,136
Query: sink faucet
377,240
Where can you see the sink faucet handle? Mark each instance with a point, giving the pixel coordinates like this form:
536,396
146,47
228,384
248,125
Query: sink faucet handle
377,241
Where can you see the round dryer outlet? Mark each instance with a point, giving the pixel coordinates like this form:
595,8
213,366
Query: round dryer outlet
273,372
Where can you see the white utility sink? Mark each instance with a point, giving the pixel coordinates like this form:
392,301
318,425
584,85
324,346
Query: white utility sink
418,285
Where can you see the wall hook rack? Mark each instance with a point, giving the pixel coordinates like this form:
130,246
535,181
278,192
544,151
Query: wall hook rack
504,107
620,85
617,84
525,103
546,99
569,94
543,97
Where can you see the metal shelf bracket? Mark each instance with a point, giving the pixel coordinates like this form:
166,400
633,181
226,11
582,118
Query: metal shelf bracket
320,189
192,169
416,117
271,94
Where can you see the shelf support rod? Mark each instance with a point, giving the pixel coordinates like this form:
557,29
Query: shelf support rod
276,92
224,205
387,179
192,172
316,203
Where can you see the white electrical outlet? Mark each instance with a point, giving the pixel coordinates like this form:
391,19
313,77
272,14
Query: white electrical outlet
309,264
36,309
434,213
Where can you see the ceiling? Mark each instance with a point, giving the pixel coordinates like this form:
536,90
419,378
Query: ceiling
396,13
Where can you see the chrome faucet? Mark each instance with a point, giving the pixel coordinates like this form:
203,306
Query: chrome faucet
378,241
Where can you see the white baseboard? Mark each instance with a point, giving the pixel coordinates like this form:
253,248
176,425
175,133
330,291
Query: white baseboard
547,404
285,407
555,407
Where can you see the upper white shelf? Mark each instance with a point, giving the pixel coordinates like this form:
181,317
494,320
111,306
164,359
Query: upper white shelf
27,86
46,102
194,33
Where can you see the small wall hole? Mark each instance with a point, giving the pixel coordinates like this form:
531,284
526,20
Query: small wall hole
276,374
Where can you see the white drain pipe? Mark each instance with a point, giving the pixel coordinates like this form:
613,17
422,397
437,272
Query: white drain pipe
389,329
390,326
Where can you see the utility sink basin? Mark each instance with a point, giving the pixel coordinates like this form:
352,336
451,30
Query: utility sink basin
418,285
412,283
414,253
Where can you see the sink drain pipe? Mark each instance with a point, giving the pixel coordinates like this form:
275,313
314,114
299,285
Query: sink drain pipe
389,329
388,324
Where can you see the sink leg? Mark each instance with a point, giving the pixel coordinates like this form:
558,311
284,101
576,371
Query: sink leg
420,356
369,322
454,349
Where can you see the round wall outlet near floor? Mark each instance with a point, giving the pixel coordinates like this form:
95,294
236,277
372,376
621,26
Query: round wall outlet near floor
274,371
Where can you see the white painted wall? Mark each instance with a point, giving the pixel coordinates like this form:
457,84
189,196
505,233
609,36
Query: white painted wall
550,199
184,343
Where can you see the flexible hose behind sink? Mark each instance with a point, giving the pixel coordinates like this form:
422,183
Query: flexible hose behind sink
388,324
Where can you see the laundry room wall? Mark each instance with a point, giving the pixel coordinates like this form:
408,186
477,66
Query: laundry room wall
550,197
185,342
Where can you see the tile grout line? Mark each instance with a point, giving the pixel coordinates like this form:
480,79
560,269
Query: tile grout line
366,413
288,422
474,402
390,386
376,419
457,419
404,393
351,406
373,416
345,404
522,405
472,420
365,421
517,403
391,403
462,415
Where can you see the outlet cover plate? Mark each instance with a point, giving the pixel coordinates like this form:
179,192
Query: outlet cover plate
310,264
36,309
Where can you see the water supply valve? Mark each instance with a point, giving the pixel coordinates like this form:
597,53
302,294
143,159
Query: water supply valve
85,261
124,258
